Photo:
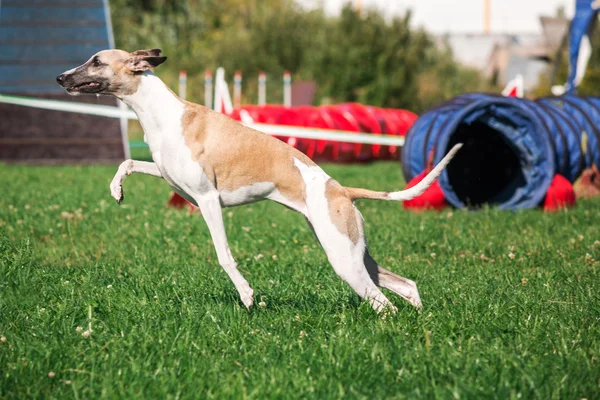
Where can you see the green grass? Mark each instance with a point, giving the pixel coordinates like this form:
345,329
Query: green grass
167,323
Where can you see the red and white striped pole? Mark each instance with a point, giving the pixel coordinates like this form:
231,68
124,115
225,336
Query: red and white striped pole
208,88
262,88
237,89
182,83
287,89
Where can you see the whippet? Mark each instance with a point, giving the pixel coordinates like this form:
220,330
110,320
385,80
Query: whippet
215,162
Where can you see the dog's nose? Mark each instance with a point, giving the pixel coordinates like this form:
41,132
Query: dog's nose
61,78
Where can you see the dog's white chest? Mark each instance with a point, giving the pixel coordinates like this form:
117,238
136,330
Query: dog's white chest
160,115
177,167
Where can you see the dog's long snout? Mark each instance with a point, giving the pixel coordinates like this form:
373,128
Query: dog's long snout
60,79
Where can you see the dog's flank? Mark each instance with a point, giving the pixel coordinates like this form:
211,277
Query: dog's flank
215,162
234,156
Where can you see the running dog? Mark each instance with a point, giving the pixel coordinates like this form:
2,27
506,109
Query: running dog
215,162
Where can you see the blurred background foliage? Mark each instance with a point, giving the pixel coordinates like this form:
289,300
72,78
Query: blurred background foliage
365,57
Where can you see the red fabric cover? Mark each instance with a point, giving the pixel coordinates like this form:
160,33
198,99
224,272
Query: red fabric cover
367,123
560,194
350,117
267,114
343,121
393,126
176,201
378,151
407,117
432,198
297,117
315,117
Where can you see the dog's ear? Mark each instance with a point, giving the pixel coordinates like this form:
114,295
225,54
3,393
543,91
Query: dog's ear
148,53
144,63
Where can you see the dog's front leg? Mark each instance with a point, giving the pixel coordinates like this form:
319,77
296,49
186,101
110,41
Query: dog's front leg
212,213
127,168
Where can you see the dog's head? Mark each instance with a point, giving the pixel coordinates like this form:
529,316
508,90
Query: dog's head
114,72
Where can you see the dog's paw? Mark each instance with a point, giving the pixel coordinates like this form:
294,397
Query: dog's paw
248,298
388,311
116,191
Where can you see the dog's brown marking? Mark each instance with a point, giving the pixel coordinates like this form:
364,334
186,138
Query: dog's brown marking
341,210
359,193
123,82
193,132
235,156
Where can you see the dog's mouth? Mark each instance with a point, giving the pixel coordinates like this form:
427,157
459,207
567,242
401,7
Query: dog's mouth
86,87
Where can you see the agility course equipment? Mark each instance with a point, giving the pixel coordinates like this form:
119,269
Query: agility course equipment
40,40
513,147
349,117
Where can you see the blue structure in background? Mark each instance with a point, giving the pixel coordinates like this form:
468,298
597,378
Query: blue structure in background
512,147
39,39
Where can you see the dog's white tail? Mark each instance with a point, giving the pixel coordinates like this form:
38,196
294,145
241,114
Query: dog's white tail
357,193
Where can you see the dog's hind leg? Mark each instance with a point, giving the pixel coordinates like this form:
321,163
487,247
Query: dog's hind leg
339,228
403,287
212,213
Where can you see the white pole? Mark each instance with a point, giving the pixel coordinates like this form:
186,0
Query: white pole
218,103
262,88
279,130
287,89
208,88
223,102
124,123
182,84
237,89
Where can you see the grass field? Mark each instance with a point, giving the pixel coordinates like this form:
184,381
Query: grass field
511,300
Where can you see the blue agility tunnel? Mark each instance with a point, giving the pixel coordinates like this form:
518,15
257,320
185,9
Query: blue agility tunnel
512,147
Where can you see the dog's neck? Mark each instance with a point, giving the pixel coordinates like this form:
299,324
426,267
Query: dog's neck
158,109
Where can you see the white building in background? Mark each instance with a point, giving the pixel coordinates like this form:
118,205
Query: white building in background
502,56
506,38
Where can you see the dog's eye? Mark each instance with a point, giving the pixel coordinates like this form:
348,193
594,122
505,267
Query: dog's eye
96,62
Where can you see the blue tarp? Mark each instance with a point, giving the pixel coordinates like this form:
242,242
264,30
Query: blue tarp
42,38
513,147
